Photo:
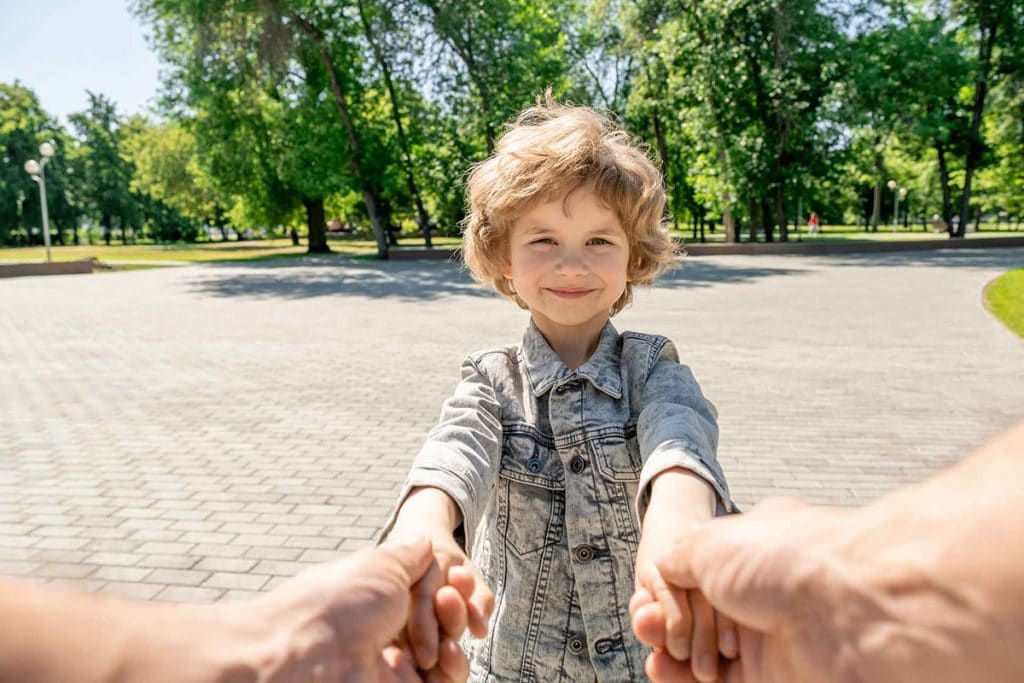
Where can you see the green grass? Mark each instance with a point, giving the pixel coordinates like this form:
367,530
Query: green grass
198,253
852,233
1004,296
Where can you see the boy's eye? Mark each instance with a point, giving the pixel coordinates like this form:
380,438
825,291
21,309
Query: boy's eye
543,240
599,241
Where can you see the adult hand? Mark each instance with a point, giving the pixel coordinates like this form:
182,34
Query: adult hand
922,585
342,620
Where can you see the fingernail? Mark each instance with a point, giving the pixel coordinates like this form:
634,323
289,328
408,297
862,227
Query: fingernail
706,665
730,641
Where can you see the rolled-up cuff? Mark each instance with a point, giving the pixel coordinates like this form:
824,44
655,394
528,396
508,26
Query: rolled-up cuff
680,453
450,483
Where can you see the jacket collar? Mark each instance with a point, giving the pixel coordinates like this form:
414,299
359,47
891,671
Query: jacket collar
545,369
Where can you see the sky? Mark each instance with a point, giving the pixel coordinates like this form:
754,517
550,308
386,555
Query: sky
61,48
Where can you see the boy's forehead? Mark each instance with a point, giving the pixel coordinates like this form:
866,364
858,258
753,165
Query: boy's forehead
566,203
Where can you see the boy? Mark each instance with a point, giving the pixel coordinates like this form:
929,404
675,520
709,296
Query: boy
551,453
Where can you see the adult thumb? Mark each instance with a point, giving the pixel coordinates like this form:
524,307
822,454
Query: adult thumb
738,565
413,558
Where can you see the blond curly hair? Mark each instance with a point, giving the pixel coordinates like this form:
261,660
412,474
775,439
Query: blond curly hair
549,151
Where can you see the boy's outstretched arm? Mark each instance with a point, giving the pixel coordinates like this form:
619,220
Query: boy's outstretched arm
452,594
680,501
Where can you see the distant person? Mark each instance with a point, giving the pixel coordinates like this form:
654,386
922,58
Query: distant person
812,224
559,448
339,621
295,236
939,225
926,584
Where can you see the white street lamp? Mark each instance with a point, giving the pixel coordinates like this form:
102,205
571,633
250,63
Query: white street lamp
901,194
37,170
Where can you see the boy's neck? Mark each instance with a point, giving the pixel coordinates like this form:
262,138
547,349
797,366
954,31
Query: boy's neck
575,344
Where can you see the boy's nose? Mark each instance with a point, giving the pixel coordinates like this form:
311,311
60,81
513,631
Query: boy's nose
571,262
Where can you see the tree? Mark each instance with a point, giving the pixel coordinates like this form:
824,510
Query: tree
103,175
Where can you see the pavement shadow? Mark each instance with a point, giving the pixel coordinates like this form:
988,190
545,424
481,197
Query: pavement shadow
316,276
1000,257
697,271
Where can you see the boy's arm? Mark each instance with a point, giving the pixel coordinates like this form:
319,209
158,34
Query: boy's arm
679,502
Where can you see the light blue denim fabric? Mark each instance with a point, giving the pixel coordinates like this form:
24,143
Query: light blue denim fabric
549,468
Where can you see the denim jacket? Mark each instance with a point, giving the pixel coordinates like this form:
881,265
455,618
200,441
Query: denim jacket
549,468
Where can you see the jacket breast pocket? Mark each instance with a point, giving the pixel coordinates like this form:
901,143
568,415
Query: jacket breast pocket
532,495
618,459
618,463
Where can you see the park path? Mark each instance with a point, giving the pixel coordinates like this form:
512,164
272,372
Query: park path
205,432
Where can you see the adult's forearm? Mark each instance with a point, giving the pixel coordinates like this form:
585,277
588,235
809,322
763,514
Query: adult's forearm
52,634
944,559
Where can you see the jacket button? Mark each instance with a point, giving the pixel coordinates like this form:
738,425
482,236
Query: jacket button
534,465
576,644
577,464
583,553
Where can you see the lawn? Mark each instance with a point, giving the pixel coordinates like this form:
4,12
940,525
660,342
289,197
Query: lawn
196,253
1004,296
853,233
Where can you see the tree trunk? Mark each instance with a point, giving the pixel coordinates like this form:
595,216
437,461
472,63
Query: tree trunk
729,223
766,219
755,219
975,146
355,157
780,211
396,114
316,224
947,207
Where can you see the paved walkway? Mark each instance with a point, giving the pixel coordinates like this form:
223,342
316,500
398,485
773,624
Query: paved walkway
205,432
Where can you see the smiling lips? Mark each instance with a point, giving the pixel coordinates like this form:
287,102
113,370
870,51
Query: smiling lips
570,293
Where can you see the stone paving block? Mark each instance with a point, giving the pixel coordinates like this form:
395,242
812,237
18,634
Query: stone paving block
273,553
65,570
179,577
128,574
227,564
236,580
133,591
168,561
189,594
115,559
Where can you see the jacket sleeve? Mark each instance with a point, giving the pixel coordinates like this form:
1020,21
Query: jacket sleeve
677,427
461,453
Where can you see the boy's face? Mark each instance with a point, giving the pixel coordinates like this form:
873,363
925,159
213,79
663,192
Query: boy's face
569,262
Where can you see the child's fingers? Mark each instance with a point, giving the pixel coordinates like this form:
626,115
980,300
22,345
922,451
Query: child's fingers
480,607
662,668
678,619
452,661
640,598
452,615
704,649
422,628
463,579
728,636
649,625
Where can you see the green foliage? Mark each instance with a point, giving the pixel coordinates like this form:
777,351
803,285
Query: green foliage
283,112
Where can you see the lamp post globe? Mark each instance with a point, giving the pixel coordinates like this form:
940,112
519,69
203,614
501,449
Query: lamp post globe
37,171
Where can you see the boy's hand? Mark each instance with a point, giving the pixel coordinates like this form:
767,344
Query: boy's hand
679,622
450,597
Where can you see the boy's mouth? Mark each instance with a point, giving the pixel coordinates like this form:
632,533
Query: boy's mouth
570,293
